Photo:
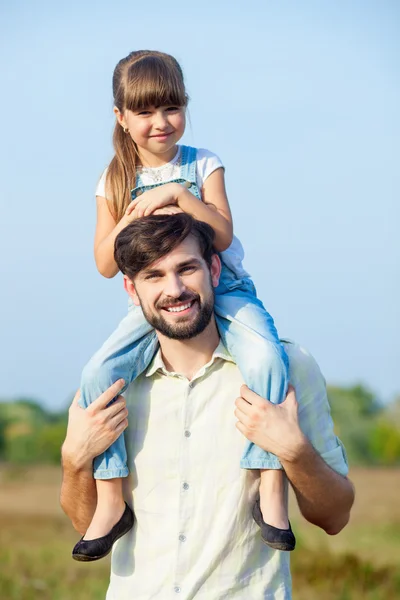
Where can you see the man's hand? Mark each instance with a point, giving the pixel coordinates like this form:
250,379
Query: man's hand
273,427
90,432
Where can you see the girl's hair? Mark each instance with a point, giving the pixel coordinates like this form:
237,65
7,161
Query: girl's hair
144,78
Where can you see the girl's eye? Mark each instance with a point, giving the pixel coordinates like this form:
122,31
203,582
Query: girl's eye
172,108
144,113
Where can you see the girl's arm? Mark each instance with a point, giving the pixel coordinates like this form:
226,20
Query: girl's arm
214,209
107,230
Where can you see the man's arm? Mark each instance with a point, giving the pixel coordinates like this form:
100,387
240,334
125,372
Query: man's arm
89,433
324,496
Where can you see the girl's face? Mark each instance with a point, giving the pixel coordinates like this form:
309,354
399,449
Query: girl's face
155,130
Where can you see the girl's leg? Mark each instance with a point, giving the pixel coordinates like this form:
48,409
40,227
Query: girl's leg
126,353
109,510
249,334
272,498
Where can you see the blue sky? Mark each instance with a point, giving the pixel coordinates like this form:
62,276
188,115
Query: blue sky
301,102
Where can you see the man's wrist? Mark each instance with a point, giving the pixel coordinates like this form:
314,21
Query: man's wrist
75,461
299,448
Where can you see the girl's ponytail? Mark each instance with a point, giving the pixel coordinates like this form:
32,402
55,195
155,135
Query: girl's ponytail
121,173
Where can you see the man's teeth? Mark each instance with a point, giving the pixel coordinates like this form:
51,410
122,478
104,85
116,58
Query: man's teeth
179,308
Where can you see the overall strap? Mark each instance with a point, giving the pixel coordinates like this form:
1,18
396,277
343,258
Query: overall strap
188,163
188,168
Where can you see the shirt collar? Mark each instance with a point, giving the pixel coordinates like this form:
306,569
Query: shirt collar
157,364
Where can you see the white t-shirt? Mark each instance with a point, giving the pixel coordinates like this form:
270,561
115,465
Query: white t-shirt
206,163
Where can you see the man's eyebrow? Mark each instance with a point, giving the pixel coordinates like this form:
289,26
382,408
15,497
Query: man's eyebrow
150,271
185,263
189,262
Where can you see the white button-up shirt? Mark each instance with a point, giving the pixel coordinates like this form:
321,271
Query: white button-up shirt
194,536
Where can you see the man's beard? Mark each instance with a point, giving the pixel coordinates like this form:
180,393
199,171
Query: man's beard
183,330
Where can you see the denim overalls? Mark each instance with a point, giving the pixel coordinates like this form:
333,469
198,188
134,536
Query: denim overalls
246,330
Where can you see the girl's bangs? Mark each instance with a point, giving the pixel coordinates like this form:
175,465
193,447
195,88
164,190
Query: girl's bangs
151,82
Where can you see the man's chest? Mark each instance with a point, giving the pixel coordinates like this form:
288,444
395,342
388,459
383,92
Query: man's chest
181,430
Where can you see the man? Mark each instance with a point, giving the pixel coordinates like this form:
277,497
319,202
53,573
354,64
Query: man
195,537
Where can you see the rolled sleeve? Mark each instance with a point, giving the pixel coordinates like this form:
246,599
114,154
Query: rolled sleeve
337,459
314,410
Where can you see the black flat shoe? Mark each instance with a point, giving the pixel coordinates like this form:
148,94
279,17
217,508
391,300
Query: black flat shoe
87,550
278,539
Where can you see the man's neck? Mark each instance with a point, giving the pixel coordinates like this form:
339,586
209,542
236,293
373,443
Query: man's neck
189,356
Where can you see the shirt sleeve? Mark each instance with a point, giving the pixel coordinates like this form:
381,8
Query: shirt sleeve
206,163
101,186
314,410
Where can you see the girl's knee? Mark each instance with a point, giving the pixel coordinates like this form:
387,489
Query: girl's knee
272,356
95,380
92,370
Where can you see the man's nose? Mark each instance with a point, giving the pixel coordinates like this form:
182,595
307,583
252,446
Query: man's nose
174,286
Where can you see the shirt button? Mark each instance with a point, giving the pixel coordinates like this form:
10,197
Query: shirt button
185,486
187,433
182,538
191,384
177,589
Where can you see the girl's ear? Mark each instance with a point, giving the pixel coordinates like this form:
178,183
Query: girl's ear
215,269
119,116
131,290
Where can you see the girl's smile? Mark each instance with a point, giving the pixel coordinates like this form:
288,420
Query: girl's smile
155,131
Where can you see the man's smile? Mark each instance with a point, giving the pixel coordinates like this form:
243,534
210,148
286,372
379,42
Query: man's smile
180,307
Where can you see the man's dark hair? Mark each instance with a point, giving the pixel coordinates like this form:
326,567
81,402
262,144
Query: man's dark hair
148,239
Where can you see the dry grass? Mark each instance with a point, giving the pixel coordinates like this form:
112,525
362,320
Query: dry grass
36,541
373,533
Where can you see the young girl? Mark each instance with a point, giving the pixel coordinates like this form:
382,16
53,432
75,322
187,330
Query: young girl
151,174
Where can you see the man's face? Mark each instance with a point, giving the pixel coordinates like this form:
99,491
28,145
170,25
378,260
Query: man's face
176,293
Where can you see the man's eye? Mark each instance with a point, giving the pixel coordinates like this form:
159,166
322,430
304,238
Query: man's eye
188,269
151,276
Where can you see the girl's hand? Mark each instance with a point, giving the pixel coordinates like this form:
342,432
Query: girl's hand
171,209
150,201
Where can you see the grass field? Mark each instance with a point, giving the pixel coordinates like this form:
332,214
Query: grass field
363,562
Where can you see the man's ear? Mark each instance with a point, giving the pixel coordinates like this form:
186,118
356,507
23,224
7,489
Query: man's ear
215,269
131,290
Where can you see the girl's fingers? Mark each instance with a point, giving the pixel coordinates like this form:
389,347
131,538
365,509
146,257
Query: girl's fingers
134,203
148,211
130,208
144,210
